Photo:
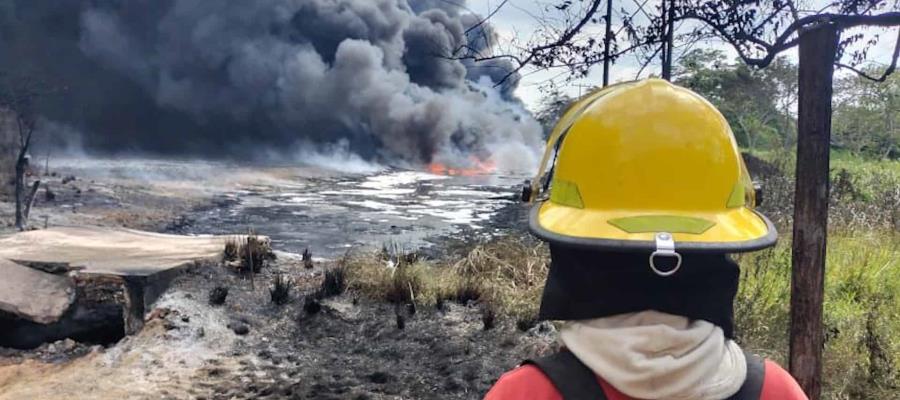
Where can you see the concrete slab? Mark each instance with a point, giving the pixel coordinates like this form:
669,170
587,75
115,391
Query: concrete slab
110,251
48,277
34,295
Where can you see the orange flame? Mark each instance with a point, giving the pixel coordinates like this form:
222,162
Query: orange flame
476,167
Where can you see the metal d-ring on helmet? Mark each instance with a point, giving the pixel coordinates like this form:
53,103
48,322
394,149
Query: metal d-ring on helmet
647,166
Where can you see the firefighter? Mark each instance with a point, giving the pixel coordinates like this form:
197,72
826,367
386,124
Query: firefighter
646,198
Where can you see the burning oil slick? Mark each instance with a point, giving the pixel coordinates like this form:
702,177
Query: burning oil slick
212,77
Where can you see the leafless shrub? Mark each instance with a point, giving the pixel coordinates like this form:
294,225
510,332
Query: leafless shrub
488,316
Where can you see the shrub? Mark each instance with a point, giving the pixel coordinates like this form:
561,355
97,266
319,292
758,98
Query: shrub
865,193
311,305
488,316
306,257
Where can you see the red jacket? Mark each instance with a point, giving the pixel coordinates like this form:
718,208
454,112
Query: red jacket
529,383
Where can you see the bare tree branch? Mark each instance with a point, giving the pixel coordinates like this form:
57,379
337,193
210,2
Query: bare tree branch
887,72
485,19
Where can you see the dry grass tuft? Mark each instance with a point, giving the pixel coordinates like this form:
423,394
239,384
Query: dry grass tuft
505,277
509,273
242,252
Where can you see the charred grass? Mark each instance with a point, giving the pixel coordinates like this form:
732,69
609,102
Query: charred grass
280,292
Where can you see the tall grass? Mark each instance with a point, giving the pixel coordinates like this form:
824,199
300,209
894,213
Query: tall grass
865,193
862,312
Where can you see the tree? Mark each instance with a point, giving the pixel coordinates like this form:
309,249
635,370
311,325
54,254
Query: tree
867,116
19,96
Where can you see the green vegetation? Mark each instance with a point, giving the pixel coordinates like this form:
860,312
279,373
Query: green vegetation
867,116
862,295
865,192
862,312
760,104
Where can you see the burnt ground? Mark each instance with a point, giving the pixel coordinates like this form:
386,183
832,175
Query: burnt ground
250,348
74,200
352,347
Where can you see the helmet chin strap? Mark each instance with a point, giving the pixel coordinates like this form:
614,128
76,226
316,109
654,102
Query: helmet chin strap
665,247
532,189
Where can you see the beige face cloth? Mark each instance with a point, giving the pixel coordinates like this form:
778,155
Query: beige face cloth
654,355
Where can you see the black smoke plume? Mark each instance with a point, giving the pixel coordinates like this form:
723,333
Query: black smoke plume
216,77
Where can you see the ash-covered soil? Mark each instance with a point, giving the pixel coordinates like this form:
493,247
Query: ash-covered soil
249,348
80,192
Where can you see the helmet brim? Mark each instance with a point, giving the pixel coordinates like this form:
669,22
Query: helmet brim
732,231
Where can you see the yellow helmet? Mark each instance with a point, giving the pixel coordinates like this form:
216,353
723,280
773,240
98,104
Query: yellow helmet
646,165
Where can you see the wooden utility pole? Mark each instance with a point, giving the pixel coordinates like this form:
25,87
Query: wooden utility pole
663,16
606,42
818,47
669,44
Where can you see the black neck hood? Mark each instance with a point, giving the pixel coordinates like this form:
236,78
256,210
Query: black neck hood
586,284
